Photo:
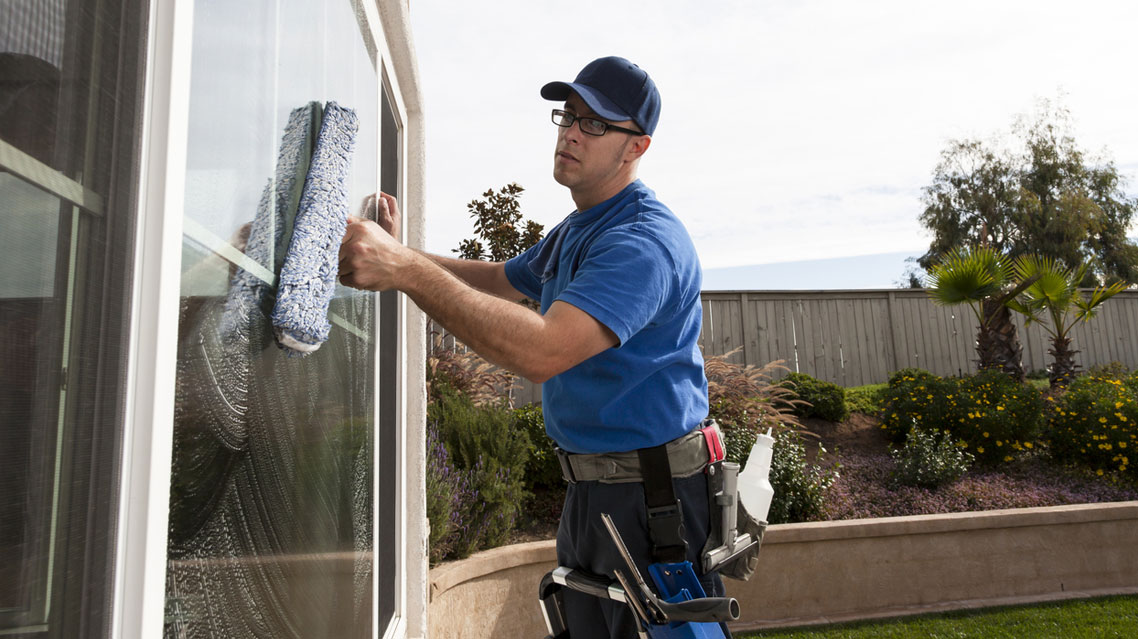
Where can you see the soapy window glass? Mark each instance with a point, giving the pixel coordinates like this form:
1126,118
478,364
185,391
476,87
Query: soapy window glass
272,500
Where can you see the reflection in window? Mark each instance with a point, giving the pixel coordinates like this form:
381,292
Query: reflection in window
271,504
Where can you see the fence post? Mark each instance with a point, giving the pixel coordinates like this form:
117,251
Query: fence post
893,323
750,330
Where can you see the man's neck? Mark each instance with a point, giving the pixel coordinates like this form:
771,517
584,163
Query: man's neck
594,197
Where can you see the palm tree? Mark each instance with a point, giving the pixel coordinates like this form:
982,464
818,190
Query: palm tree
983,279
1055,293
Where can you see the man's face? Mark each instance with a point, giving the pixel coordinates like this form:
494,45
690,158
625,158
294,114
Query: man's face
585,162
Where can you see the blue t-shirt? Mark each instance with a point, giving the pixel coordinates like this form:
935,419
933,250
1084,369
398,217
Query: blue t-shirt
629,263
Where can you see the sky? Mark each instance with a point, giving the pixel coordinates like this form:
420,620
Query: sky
789,131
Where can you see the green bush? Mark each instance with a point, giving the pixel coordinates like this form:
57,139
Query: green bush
912,397
825,400
868,399
1095,423
542,469
908,375
929,459
487,453
800,487
989,414
444,487
1113,370
996,417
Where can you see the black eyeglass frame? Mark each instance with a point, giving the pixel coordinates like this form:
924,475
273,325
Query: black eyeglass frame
570,118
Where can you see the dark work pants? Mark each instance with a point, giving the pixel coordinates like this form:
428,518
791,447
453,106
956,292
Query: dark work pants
583,542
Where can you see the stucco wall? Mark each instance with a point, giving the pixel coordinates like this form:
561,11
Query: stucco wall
836,571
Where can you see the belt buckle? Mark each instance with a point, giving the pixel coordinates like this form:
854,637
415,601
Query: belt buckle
566,467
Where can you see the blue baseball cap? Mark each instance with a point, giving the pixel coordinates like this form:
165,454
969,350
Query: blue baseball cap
615,89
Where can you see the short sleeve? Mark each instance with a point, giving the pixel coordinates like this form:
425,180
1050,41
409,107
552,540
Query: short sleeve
625,281
521,277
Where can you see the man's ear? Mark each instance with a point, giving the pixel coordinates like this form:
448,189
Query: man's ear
639,145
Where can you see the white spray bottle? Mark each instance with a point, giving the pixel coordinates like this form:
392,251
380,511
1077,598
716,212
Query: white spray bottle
754,486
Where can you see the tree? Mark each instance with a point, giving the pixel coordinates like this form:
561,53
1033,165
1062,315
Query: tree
986,281
1040,195
499,224
1055,295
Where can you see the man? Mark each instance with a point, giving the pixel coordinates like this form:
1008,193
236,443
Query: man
615,342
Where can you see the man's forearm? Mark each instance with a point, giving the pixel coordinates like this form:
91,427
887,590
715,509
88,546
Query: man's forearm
485,276
503,332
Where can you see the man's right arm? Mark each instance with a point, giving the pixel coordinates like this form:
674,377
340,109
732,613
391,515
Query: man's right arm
484,276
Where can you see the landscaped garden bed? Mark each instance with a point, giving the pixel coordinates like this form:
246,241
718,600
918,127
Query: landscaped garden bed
986,442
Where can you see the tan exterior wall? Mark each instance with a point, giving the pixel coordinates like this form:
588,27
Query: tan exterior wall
837,571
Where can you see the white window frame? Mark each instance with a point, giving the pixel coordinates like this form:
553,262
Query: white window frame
141,539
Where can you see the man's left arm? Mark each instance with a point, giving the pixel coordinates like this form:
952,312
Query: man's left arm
505,333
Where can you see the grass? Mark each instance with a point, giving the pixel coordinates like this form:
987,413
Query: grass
1100,617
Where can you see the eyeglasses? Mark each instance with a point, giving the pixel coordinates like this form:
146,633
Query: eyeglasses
591,126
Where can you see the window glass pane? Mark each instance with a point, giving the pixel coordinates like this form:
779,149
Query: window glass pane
271,486
69,96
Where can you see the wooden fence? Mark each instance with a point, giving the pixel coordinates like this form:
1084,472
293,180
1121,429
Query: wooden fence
858,337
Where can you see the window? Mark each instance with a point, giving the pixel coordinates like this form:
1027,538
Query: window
69,102
275,471
279,462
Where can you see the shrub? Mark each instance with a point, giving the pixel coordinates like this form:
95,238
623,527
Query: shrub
928,460
445,491
542,469
995,417
908,375
744,401
823,399
1096,423
868,399
800,487
454,369
1113,370
912,397
488,453
989,414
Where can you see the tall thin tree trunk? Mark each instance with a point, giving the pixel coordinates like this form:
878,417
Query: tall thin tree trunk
1063,366
997,344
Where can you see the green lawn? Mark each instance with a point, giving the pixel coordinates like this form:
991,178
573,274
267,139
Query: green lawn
1103,617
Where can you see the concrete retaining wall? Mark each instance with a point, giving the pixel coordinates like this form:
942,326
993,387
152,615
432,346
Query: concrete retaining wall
838,571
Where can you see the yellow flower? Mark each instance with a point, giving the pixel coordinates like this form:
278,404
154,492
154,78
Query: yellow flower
999,408
1102,420
1099,472
1118,404
1007,458
1028,444
985,433
980,450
